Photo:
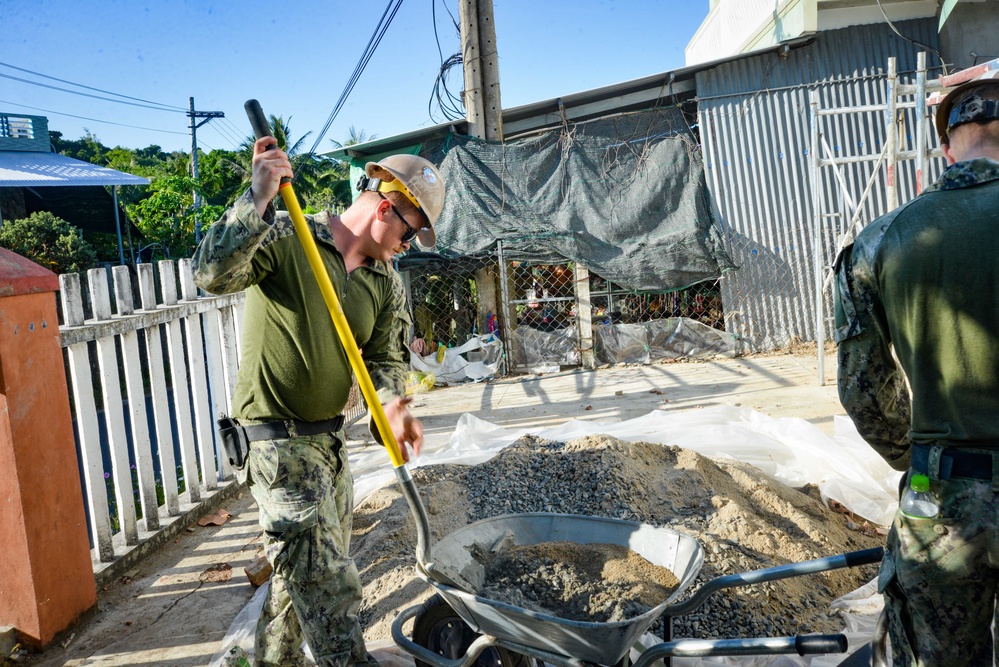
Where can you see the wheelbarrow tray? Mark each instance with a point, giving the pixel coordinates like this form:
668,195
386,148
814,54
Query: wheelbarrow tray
601,643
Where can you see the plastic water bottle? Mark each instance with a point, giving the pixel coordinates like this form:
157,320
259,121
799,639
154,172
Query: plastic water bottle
918,501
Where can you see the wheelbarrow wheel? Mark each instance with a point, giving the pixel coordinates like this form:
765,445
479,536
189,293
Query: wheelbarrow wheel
438,628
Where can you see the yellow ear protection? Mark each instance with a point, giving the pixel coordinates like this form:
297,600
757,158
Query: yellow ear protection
366,184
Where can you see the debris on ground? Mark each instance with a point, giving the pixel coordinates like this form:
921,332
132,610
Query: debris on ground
258,571
215,519
218,573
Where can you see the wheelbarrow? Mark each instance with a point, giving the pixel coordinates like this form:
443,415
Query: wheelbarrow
458,628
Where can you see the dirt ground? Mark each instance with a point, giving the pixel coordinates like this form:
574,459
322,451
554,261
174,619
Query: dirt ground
175,607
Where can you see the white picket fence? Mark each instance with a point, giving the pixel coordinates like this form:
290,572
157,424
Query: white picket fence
177,361
178,355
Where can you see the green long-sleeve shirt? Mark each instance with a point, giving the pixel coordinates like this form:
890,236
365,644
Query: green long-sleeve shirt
292,364
922,282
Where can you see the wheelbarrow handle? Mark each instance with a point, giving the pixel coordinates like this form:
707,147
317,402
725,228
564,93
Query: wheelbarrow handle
851,559
802,645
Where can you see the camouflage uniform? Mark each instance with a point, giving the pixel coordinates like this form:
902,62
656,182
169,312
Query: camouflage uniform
921,286
294,368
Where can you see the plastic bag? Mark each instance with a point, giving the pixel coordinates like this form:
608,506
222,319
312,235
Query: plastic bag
239,638
419,382
477,359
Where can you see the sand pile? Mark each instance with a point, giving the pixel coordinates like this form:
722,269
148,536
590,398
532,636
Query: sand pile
743,519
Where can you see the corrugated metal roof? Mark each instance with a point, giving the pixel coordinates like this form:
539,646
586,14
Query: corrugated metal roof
630,95
19,169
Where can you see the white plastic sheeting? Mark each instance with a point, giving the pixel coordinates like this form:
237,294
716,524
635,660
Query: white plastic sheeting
792,450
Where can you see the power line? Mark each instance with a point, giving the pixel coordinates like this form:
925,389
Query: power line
80,85
237,131
909,39
76,92
234,138
226,134
373,41
96,120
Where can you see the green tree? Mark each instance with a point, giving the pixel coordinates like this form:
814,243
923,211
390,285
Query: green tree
89,148
223,177
354,137
166,217
49,241
316,177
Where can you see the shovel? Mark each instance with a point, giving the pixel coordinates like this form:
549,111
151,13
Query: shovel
424,564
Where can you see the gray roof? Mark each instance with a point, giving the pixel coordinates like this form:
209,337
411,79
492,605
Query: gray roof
22,169
616,98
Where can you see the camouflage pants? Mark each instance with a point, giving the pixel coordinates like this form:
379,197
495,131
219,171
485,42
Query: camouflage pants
939,579
305,495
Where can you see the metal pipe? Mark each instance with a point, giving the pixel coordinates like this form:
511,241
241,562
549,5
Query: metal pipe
817,193
505,299
920,142
891,138
851,559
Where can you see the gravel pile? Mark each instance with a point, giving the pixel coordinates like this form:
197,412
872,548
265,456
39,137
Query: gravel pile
596,583
743,519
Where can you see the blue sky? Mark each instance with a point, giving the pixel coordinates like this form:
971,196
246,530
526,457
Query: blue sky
297,57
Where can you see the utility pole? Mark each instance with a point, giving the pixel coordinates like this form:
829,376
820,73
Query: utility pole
483,112
194,116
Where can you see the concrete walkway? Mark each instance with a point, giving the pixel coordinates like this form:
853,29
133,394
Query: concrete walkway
174,608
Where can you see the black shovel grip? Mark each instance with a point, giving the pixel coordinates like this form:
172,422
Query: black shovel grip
258,121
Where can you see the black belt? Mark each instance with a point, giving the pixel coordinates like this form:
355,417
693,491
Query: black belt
290,429
954,462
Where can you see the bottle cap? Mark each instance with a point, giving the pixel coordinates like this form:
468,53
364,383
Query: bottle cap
919,483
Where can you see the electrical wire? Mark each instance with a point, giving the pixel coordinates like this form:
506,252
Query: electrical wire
237,131
891,25
99,90
96,120
373,42
450,105
226,134
76,92
226,130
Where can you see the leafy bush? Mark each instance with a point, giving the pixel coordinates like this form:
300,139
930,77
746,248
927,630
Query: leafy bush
105,245
49,241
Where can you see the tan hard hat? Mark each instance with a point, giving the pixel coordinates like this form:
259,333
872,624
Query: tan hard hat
945,123
423,182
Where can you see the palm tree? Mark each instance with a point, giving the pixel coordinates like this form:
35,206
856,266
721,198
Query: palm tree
354,137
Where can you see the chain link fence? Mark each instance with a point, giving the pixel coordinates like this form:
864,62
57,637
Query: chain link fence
539,309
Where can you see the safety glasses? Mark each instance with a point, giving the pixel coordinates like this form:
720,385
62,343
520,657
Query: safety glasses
410,233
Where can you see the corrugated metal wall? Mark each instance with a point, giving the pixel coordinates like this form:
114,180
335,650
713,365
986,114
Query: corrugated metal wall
754,124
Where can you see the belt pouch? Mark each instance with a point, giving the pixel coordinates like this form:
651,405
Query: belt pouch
234,441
